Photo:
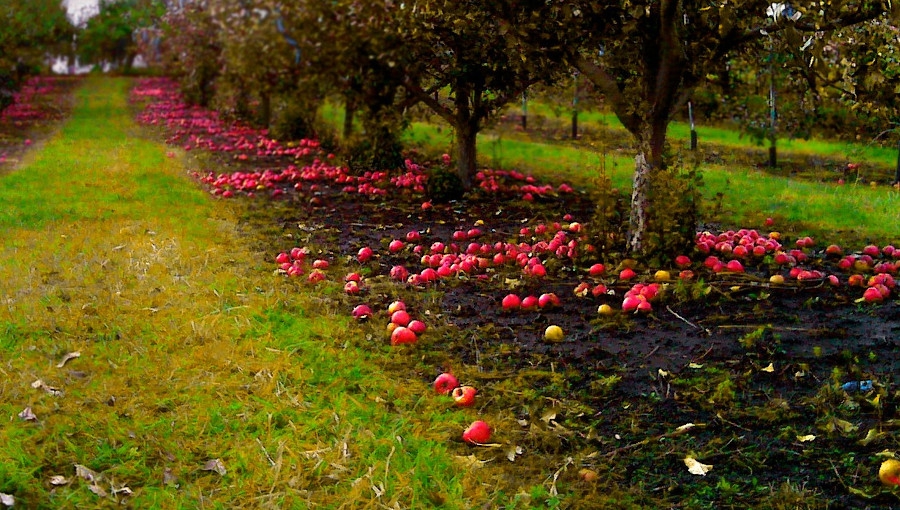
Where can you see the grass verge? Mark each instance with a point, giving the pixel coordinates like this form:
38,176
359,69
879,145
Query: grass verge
201,380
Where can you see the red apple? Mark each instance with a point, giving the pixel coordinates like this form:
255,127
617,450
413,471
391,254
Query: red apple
626,274
682,261
511,302
364,254
529,302
413,236
597,270
734,266
396,305
464,396
418,327
282,258
298,253
399,273
445,383
872,295
478,432
400,318
396,245
402,335
351,288
547,300
361,312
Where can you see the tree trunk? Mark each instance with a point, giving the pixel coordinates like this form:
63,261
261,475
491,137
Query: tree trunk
265,110
349,113
640,204
650,158
466,136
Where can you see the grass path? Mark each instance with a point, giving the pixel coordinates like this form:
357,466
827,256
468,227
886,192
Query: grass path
202,380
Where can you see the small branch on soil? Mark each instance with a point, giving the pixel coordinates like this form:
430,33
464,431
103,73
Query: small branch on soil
733,424
757,326
689,323
668,435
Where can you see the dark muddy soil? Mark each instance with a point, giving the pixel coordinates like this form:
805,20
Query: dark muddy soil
757,368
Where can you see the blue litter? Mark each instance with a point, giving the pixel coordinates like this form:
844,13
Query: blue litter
857,386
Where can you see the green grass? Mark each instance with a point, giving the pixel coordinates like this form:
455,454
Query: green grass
191,351
731,138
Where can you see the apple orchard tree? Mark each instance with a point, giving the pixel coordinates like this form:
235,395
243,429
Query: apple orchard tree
462,64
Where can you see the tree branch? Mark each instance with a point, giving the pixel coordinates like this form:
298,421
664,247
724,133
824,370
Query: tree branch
607,84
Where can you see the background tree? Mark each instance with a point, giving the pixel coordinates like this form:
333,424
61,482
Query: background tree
462,64
191,50
31,32
109,37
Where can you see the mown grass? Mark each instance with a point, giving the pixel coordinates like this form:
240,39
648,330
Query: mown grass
726,137
736,195
190,350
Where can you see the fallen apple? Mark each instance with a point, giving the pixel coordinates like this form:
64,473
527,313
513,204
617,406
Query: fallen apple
478,432
418,327
553,334
464,396
511,302
445,383
361,312
402,335
400,318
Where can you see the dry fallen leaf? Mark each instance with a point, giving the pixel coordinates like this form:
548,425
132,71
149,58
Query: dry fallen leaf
58,480
695,365
96,489
770,368
513,451
68,357
872,435
215,465
169,477
86,473
39,384
27,414
695,467
662,373
7,499
806,438
470,461
549,415
685,427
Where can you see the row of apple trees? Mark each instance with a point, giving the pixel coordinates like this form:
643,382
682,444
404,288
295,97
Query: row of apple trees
466,60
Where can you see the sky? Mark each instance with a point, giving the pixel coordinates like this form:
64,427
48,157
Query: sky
76,7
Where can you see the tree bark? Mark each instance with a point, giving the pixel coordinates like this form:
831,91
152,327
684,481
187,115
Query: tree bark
466,137
640,204
265,109
349,113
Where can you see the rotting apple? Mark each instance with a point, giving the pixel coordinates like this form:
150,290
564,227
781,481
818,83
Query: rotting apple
464,396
